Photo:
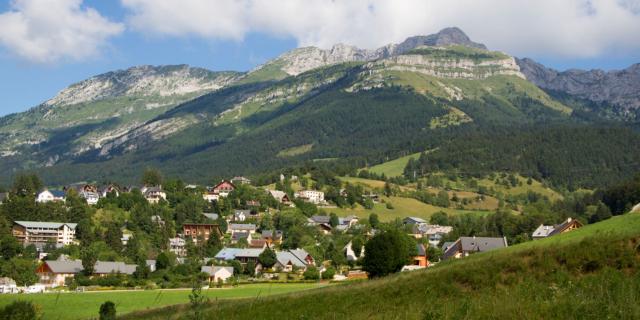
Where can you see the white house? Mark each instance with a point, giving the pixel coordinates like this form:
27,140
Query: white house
313,196
215,273
44,232
154,194
50,196
178,246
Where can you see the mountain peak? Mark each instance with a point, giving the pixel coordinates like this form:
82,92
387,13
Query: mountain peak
445,37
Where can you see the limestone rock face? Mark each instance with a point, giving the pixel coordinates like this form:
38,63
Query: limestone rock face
301,60
143,81
619,87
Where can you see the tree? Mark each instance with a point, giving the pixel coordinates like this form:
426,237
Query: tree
387,252
142,270
152,177
374,221
20,310
89,258
387,189
311,273
23,271
267,258
333,220
237,267
602,213
26,185
197,300
113,237
164,260
108,311
9,247
250,269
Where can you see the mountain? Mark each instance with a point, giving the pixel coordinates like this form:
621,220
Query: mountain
618,89
344,105
303,59
84,115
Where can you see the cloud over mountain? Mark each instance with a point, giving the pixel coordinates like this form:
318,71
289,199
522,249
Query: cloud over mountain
570,28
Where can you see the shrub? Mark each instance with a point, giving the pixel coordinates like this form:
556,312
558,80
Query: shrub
20,310
387,253
328,274
108,311
311,274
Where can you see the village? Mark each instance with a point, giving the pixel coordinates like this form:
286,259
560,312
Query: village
247,234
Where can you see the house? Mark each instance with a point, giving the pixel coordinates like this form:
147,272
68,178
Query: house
153,194
37,232
8,285
347,223
322,222
413,220
433,232
290,259
86,191
420,259
240,180
201,230
272,237
546,231
222,189
242,227
312,196
50,196
239,235
178,246
248,255
281,196
211,216
465,246
54,273
217,273
258,243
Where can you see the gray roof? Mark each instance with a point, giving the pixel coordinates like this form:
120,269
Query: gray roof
447,245
285,257
413,220
271,234
421,250
481,244
48,225
214,269
474,244
542,231
59,266
5,281
240,235
227,253
249,253
242,226
101,267
321,219
300,254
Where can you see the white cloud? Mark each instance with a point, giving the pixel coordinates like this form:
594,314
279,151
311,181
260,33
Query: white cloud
46,31
569,28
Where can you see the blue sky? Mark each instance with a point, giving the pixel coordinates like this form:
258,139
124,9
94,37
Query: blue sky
239,35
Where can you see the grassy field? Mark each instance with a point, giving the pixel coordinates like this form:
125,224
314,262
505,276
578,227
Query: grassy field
590,273
68,306
395,167
402,207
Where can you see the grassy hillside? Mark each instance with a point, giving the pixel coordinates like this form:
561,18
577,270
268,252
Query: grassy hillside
590,273
393,168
